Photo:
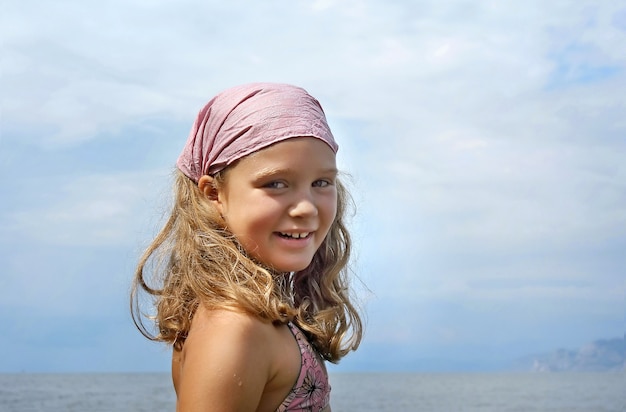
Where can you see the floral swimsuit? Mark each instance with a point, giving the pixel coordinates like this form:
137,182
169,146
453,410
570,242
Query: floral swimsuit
311,391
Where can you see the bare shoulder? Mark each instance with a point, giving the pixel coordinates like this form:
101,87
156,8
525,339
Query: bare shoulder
218,323
227,362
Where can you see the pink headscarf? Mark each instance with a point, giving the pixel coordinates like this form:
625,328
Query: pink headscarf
247,118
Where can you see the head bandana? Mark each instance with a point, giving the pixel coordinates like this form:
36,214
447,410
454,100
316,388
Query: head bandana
247,118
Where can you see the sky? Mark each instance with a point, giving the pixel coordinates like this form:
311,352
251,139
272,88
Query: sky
484,143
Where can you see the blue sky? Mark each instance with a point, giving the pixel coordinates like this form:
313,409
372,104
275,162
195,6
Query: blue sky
485,140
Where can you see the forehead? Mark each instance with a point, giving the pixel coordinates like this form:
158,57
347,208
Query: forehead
298,153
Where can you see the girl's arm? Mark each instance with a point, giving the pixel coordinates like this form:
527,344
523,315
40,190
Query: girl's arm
224,365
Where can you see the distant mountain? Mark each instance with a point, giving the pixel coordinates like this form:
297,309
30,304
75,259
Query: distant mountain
601,355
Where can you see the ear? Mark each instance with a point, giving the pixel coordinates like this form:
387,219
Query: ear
208,186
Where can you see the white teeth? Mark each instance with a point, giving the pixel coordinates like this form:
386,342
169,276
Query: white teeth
295,235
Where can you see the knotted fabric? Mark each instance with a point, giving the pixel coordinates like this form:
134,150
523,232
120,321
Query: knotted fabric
247,118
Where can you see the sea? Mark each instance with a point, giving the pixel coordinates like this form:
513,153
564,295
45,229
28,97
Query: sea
423,392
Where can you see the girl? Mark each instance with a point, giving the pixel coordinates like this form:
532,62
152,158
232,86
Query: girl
250,278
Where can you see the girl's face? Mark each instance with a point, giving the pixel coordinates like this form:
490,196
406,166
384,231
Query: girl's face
281,201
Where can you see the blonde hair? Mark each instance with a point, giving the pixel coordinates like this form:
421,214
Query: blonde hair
194,260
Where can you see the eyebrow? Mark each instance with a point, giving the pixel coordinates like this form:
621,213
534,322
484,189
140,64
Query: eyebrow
269,172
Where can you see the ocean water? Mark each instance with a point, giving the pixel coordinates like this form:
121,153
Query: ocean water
443,392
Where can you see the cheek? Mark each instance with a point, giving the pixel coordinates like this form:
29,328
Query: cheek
221,203
330,210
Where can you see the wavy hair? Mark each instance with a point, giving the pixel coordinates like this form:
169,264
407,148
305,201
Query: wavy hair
194,260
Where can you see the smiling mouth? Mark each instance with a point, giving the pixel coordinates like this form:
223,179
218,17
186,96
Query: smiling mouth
294,235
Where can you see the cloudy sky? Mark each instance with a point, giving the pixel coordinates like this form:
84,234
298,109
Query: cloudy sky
486,143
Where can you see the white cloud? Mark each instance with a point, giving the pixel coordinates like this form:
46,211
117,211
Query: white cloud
480,132
458,89
97,210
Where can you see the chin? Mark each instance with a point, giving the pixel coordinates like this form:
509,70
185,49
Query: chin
292,266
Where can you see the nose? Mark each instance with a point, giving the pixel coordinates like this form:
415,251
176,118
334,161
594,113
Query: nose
304,205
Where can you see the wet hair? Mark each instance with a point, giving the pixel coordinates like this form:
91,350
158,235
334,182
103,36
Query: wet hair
194,260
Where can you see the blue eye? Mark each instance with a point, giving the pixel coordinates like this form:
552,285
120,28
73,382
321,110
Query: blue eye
276,185
321,183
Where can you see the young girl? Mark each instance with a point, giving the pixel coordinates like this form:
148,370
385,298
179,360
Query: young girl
249,274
